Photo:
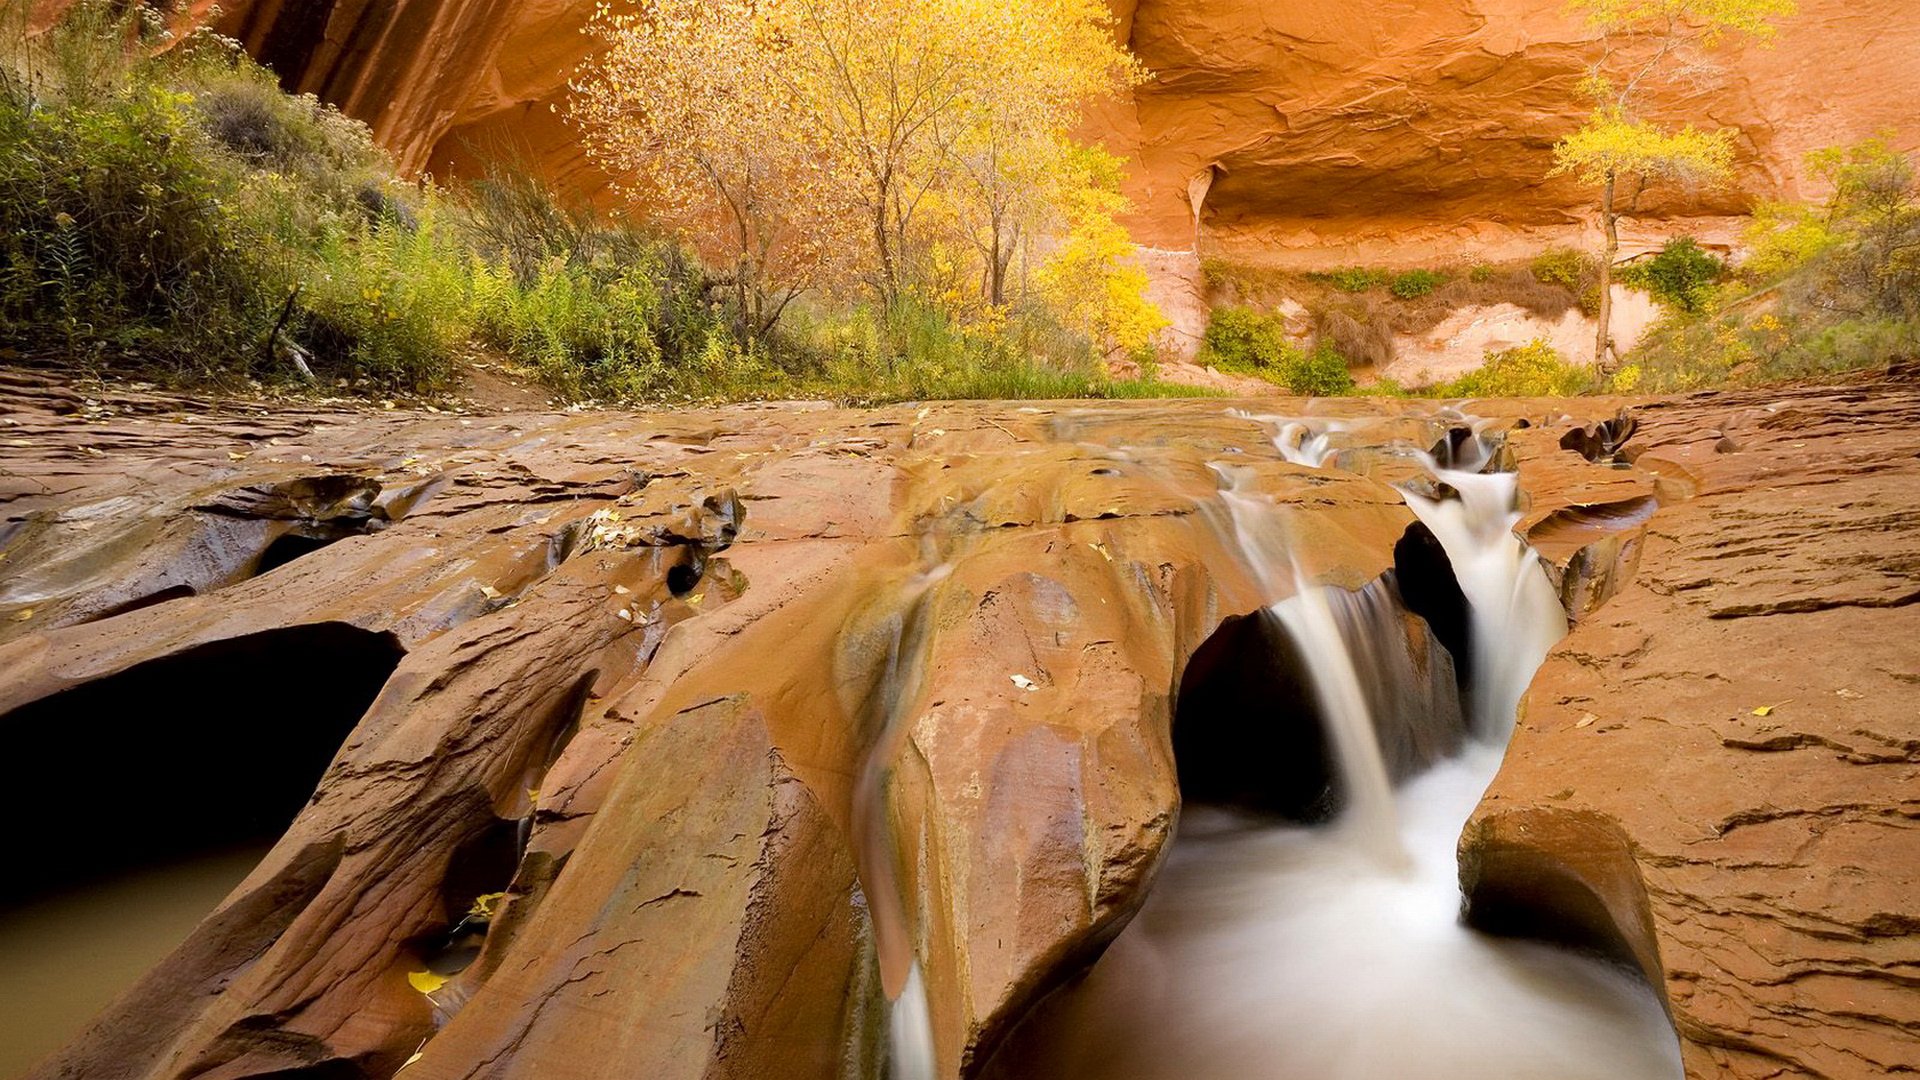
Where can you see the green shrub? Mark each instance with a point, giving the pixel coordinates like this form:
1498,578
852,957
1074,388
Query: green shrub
1353,279
1242,340
1535,369
1320,373
1563,266
1247,343
1680,275
1414,284
1572,270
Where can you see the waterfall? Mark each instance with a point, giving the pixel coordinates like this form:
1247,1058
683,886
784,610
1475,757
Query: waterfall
1323,637
1300,444
1514,615
1280,951
910,1032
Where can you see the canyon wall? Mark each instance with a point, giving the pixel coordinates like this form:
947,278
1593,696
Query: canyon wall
1311,132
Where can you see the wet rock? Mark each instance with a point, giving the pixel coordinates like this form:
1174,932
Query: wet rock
1715,774
732,717
1602,441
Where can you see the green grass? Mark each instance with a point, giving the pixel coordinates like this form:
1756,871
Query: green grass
170,213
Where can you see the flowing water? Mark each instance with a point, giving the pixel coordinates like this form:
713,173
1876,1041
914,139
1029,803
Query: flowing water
1336,952
1514,613
63,958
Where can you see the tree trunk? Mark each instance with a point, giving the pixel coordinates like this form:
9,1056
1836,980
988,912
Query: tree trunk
1603,336
888,285
997,271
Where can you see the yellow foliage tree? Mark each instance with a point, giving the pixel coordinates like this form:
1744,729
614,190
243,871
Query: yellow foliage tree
1645,43
688,109
864,129
1091,278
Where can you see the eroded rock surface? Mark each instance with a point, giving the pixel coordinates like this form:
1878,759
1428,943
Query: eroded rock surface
1720,768
700,729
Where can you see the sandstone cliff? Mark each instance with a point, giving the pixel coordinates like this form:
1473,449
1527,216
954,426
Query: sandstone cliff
1310,132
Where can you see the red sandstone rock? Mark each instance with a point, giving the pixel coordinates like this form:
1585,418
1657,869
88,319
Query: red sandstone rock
726,806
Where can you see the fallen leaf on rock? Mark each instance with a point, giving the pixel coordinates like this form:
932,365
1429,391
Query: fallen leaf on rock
426,981
23,614
1586,720
1767,710
1025,683
621,590
490,592
234,455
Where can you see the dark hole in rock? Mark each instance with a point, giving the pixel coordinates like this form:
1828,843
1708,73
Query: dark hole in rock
1602,441
682,577
478,873
212,748
288,547
1570,879
1104,471
152,599
1429,588
1246,730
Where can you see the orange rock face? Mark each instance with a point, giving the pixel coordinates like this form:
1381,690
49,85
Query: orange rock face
1309,132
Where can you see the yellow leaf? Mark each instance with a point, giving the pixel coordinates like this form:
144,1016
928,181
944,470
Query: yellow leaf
235,456
490,592
426,981
23,614
1764,710
484,905
417,1055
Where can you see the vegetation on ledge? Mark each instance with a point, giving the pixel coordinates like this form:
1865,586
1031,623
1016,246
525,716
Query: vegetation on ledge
167,212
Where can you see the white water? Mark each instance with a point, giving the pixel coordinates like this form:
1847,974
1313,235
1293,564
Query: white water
1289,953
1515,616
910,1031
1335,953
1369,818
1300,444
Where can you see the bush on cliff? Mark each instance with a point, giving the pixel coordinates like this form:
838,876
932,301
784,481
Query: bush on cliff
1535,369
1247,343
1826,287
1680,275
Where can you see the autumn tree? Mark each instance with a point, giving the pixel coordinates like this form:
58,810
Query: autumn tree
688,109
817,128
922,98
1090,278
1646,44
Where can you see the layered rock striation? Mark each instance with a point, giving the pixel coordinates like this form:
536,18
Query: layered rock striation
1306,133
699,736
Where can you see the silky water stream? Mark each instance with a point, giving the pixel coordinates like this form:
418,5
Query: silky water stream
1274,950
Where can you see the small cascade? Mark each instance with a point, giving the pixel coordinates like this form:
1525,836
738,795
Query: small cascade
1283,951
1300,444
1514,615
910,1032
910,1052
1321,622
